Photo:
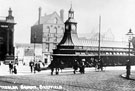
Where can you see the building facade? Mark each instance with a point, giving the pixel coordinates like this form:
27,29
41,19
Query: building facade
71,47
48,31
7,38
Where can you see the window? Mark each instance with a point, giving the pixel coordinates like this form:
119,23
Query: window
54,46
61,31
45,34
47,29
54,30
55,20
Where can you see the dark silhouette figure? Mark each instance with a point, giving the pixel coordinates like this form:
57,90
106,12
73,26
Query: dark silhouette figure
61,65
51,66
96,64
31,64
15,70
11,67
37,67
82,66
75,66
100,65
57,66
128,67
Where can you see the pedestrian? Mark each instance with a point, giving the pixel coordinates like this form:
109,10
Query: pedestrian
57,66
61,65
82,66
38,66
31,64
128,67
51,66
101,64
75,66
15,70
10,67
96,64
35,66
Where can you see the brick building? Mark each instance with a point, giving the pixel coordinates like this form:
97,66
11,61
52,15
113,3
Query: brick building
48,31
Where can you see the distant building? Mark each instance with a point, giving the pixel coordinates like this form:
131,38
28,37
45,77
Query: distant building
48,31
7,37
105,36
25,52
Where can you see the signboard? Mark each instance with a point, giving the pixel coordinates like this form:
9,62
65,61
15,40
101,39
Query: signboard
29,52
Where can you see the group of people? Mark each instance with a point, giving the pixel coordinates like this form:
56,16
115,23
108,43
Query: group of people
57,65
34,66
80,65
12,68
98,65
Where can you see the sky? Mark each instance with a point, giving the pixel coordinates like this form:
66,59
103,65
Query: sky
116,15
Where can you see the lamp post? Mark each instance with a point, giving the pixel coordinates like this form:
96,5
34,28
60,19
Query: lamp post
34,44
99,38
128,66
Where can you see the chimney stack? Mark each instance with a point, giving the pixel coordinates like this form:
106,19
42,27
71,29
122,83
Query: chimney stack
62,14
39,15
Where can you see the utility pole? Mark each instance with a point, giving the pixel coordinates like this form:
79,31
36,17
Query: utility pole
99,38
34,44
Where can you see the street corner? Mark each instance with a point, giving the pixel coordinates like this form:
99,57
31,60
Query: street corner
131,77
123,75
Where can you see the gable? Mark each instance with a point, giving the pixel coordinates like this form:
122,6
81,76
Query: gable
54,19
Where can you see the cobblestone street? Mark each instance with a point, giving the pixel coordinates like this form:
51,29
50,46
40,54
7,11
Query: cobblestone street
109,80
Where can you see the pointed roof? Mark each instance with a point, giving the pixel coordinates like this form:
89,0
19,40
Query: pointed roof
44,19
71,39
71,9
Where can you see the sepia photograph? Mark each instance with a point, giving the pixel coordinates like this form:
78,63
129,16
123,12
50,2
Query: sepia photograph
67,45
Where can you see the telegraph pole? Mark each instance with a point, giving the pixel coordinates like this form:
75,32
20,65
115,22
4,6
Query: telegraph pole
34,44
99,38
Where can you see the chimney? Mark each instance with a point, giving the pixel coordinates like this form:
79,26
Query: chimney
39,15
62,14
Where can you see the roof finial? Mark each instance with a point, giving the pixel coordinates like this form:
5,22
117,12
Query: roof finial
10,11
71,9
71,4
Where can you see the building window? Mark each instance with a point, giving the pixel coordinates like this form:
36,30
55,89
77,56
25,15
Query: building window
55,20
54,30
54,46
61,30
45,34
47,29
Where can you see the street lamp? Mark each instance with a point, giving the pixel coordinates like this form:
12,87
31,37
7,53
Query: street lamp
130,35
128,66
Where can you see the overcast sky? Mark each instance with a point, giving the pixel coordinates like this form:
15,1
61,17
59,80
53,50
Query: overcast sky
117,15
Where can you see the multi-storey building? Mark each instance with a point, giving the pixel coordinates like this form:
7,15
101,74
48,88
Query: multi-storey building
48,31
